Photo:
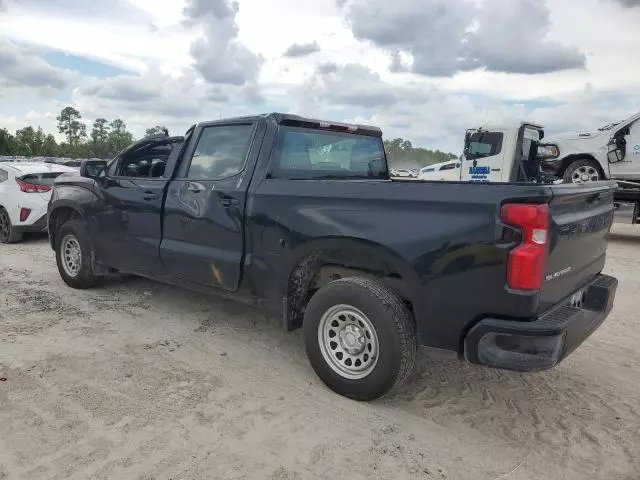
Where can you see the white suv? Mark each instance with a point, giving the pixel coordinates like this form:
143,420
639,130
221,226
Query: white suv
25,189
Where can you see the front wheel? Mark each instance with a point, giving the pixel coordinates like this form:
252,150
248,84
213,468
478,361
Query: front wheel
582,171
359,337
74,255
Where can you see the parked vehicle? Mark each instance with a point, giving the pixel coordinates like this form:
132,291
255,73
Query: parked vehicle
610,152
498,153
506,275
503,154
25,189
402,172
444,171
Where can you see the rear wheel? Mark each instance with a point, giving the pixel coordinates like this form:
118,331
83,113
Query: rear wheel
74,255
7,231
582,171
359,337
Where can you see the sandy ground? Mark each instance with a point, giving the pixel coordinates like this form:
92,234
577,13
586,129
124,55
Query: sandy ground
137,380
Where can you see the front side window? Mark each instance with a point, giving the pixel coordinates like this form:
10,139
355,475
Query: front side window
307,153
484,144
221,152
3,175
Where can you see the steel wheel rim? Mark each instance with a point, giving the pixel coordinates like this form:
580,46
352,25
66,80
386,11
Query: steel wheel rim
5,228
348,342
586,173
71,255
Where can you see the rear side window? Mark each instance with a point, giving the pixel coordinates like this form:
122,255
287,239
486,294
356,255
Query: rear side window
221,152
484,144
306,154
3,175
41,178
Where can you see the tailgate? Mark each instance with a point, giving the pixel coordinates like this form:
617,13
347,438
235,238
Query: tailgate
580,219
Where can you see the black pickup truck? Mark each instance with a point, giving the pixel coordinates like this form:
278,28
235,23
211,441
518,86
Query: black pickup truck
300,217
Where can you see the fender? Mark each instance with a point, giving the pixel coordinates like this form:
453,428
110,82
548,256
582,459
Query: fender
305,260
74,198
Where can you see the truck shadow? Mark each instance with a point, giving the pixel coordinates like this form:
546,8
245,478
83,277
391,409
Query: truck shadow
565,411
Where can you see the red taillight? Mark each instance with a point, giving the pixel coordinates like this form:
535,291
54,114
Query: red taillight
526,264
24,214
27,187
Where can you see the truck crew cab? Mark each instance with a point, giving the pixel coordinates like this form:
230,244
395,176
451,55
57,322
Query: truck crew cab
300,217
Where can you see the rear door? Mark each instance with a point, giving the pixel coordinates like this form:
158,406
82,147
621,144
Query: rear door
580,219
203,224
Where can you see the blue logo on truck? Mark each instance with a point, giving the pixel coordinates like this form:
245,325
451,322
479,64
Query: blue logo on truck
479,170
479,173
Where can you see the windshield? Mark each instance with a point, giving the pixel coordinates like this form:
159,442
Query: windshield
608,126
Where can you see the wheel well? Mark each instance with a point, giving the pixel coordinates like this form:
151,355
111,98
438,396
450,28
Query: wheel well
573,158
59,217
322,267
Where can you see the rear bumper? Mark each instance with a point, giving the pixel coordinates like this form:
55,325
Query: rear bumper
542,343
39,225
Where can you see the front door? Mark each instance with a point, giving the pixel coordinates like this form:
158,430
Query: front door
629,167
127,228
484,157
203,240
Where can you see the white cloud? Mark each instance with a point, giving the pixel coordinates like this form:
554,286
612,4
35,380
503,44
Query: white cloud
447,36
21,68
194,60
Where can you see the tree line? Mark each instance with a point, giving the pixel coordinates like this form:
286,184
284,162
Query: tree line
401,153
105,139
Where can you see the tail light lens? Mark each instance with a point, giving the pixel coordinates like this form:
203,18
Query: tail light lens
526,264
27,187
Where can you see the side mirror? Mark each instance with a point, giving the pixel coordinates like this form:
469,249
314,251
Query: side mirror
467,142
92,168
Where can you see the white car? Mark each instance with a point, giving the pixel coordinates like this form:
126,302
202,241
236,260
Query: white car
445,171
25,189
402,172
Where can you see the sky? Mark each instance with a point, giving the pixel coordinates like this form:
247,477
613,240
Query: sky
423,70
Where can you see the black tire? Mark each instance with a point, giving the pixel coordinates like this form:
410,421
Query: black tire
393,326
7,232
583,163
85,277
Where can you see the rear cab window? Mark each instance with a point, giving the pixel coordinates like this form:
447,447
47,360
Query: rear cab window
305,153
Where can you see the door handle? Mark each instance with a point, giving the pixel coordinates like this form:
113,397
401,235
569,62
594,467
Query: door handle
228,201
195,187
150,196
